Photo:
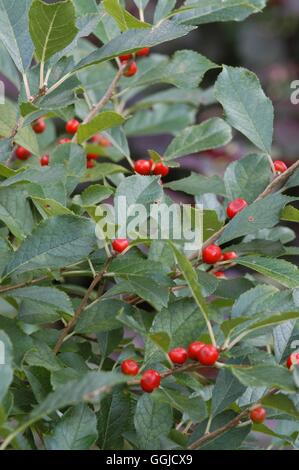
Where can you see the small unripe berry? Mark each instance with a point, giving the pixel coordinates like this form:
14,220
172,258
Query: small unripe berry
64,140
280,166
208,355
143,167
161,169
230,255
72,126
194,348
129,367
211,254
178,355
235,207
22,153
293,359
150,380
143,52
258,415
39,126
44,160
120,244
131,70
89,164
125,57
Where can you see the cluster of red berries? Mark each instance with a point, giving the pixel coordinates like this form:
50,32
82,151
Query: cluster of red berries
213,254
146,167
206,354
132,68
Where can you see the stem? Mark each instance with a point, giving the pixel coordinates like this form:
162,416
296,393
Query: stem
65,332
107,96
27,87
42,75
57,84
48,75
141,14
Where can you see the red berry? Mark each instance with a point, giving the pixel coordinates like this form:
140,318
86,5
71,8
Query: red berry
143,167
211,254
44,160
235,207
161,169
22,153
178,355
230,255
293,359
89,164
64,140
120,244
129,367
131,70
208,355
150,380
194,348
92,156
258,415
101,140
72,126
280,166
125,57
39,126
143,52
219,274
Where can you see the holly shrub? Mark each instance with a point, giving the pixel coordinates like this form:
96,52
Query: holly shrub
116,342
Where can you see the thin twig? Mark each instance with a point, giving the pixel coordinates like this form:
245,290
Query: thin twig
64,333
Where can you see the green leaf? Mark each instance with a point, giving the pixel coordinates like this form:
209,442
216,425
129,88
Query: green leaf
282,403
226,391
90,386
42,356
246,106
280,270
76,430
103,121
161,119
152,420
182,324
101,316
210,134
6,358
265,375
15,211
173,71
190,276
163,8
161,339
249,302
50,207
264,213
210,11
123,18
41,304
282,335
247,178
114,419
133,40
191,407
198,184
94,194
55,243
14,32
52,27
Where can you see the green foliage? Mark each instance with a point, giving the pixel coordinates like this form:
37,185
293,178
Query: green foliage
71,310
